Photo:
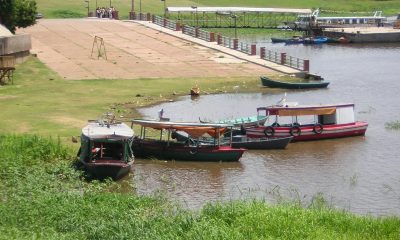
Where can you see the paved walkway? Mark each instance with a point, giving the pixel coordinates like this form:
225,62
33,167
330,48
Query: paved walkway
214,45
134,50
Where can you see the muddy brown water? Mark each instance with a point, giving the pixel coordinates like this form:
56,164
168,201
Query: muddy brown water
359,174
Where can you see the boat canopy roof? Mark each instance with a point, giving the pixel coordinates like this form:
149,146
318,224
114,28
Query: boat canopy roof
193,129
229,10
98,130
300,110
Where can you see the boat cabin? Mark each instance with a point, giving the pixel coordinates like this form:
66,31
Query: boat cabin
100,141
305,115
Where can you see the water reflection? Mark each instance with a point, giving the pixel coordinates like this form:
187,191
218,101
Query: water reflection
359,174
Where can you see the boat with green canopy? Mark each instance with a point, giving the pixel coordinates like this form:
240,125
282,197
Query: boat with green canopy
165,147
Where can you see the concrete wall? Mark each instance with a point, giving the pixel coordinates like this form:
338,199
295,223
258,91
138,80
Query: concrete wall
16,45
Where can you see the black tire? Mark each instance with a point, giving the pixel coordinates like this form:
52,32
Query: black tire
295,131
269,131
275,124
318,128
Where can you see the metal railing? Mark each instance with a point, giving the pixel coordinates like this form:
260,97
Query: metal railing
245,47
294,62
205,35
159,20
170,24
227,42
188,30
272,56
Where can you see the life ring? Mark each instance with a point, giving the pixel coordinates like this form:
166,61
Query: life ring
318,128
295,131
269,131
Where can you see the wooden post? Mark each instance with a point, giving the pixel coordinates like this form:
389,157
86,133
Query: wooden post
253,49
262,52
235,43
212,37
219,39
196,32
177,26
306,65
283,58
132,15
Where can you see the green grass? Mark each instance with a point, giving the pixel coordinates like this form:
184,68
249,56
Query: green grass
43,196
51,8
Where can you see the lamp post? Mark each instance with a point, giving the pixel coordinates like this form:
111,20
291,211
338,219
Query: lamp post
197,17
87,1
165,7
133,6
234,21
110,3
140,6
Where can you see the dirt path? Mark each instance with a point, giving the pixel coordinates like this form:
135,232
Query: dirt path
133,51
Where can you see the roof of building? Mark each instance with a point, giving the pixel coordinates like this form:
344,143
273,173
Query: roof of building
238,9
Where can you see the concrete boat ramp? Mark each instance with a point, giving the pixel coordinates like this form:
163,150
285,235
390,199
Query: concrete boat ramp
137,50
232,52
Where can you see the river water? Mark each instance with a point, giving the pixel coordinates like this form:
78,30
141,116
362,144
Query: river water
358,174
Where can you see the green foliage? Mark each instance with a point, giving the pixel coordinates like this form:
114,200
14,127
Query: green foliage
393,125
43,196
25,13
7,7
17,13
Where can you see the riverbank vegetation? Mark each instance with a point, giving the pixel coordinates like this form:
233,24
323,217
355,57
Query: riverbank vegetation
60,9
43,196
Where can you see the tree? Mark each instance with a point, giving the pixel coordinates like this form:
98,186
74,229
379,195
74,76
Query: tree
17,13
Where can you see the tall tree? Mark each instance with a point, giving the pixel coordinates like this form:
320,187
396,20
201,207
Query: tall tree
17,13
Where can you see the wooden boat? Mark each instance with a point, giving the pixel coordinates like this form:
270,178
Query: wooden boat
267,82
242,141
171,149
298,40
329,121
106,149
251,121
315,40
279,40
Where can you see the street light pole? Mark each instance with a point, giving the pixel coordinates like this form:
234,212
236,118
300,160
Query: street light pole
234,21
197,18
133,6
87,1
140,6
165,7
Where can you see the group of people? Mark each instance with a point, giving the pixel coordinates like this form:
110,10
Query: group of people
103,12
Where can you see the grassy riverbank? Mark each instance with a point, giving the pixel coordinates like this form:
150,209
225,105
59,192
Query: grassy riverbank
69,8
43,196
42,102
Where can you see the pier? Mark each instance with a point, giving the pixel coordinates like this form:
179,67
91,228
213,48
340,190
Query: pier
365,34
